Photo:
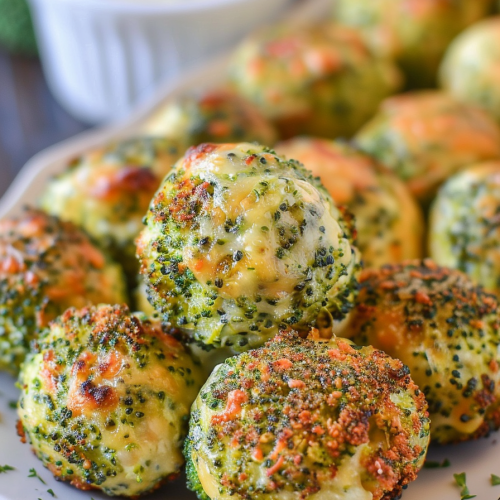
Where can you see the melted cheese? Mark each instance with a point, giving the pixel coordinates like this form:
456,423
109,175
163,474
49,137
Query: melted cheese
347,484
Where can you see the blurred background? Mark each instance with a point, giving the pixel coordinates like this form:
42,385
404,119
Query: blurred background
30,117
68,65
91,62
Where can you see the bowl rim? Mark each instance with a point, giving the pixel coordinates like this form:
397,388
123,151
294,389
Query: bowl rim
158,6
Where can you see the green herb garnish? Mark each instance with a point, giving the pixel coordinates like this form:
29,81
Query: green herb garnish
51,492
461,481
34,473
495,480
5,468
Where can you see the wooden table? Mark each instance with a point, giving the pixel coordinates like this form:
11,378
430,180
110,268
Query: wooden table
30,118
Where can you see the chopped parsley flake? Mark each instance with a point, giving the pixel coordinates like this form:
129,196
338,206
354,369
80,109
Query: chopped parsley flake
495,480
5,468
34,473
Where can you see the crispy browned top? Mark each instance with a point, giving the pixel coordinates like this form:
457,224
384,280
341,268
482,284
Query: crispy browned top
298,407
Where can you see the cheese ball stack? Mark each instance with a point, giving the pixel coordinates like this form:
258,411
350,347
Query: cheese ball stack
446,330
427,136
46,266
105,400
239,241
389,223
307,419
319,80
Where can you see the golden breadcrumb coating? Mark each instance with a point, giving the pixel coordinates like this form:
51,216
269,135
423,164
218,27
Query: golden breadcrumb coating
107,192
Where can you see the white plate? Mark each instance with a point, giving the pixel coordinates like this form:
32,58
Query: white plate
478,459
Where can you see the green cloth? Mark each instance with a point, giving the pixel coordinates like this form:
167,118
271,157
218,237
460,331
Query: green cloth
16,28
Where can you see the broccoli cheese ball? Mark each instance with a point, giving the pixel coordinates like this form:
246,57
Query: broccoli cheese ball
427,136
216,116
307,419
105,400
446,330
239,241
46,266
470,68
415,33
320,80
107,192
464,228
388,221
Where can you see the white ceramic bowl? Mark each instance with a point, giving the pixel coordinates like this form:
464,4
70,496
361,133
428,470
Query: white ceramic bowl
101,57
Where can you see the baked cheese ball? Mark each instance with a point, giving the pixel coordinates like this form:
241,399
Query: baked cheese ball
218,115
427,136
105,400
307,419
239,241
415,33
389,222
470,71
107,192
464,224
319,80
46,266
446,330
